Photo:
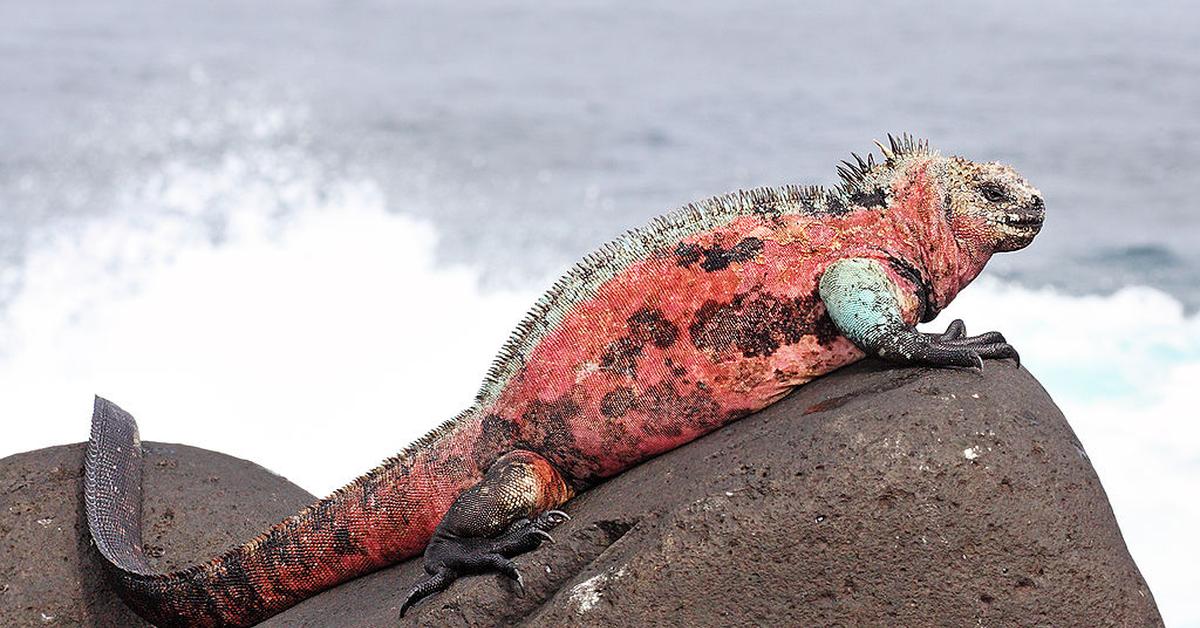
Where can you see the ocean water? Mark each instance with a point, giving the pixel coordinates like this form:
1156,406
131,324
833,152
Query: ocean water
297,232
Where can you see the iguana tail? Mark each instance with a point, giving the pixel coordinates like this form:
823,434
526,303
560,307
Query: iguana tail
381,518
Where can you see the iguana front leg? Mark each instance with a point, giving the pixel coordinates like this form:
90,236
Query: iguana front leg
863,302
507,513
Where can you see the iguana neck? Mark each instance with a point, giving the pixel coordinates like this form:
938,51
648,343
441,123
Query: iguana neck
948,263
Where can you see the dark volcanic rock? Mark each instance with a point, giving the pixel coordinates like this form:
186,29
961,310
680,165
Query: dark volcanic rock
197,503
874,496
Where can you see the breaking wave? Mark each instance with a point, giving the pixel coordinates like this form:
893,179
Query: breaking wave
315,341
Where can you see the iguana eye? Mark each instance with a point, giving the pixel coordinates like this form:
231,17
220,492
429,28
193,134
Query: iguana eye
992,193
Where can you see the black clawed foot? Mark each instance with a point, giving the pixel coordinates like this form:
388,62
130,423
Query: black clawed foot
456,555
954,348
427,587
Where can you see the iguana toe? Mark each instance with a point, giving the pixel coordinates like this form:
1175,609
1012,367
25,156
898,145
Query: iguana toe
955,330
436,582
998,350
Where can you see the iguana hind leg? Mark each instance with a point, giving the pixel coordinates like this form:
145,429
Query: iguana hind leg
509,512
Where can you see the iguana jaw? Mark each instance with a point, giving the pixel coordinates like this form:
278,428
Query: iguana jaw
1018,228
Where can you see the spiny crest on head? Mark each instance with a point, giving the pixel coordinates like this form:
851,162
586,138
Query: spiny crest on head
900,147
854,174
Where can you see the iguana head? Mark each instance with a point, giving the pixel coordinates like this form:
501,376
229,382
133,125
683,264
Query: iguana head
989,204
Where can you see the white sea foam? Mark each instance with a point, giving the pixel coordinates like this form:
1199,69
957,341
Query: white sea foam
315,346
321,339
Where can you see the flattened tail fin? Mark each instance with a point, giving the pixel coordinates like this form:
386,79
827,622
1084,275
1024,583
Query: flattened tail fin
112,495
112,488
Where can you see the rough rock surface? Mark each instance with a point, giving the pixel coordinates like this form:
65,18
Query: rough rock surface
198,503
874,496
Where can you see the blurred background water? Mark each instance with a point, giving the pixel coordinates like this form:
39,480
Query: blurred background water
297,231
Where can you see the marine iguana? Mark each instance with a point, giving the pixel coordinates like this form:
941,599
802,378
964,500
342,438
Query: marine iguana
673,329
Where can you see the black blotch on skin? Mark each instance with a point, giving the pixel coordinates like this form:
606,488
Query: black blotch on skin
621,356
773,214
924,289
546,432
496,435
649,325
834,205
343,545
373,483
676,369
672,410
238,588
275,552
449,465
646,326
869,198
758,323
717,257
616,403
737,413
687,254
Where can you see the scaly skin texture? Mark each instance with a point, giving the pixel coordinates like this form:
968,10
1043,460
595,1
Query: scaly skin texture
705,315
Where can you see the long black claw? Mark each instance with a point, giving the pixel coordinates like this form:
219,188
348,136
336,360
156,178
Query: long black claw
999,350
423,589
978,366
951,347
498,563
941,355
550,518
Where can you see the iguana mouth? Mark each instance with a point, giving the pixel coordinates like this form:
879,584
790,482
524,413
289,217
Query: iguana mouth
1028,217
1018,220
